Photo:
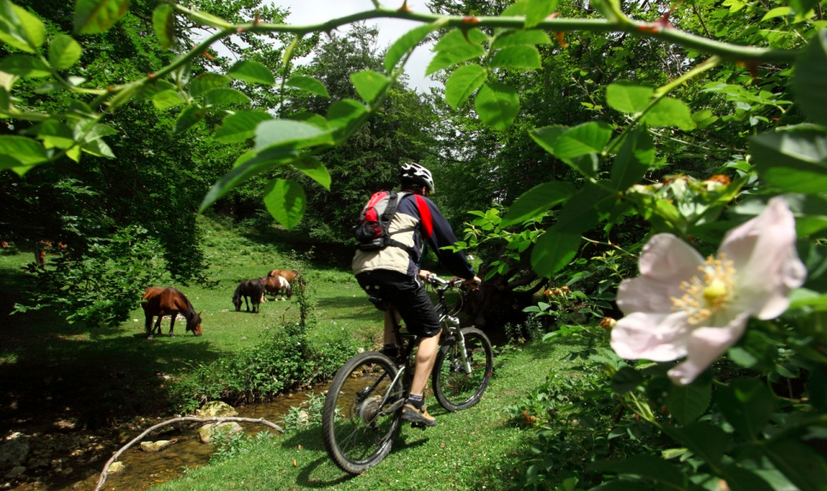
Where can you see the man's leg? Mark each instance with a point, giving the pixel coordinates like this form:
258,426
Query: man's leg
425,358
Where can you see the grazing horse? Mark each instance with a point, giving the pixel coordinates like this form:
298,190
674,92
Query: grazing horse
277,285
252,289
293,276
159,301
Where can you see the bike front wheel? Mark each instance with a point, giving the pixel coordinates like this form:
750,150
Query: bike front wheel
454,387
359,420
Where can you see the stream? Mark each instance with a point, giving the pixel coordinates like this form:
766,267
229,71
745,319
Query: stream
145,469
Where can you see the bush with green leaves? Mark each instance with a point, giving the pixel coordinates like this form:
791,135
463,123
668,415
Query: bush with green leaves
284,359
102,285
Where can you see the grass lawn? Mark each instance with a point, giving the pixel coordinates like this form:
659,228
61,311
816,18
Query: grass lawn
468,450
98,376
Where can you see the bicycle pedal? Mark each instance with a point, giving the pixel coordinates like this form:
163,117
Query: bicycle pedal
421,426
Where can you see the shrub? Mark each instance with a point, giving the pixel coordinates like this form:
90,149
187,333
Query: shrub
283,360
105,283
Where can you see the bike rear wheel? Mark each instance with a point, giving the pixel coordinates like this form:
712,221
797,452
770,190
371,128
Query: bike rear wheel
453,387
357,432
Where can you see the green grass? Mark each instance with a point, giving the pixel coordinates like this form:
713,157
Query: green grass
114,371
468,450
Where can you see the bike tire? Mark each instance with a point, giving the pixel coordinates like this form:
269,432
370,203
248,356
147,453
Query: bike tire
357,436
454,389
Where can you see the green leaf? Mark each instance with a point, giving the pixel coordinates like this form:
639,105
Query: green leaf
20,28
98,148
776,12
582,139
704,439
369,84
553,251
407,42
207,81
516,9
670,112
308,84
54,134
740,479
163,21
497,105
17,150
810,79
537,200
188,118
538,10
583,210
287,133
453,49
687,402
25,66
526,57
225,95
246,169
627,97
95,16
64,52
636,156
458,38
167,99
314,169
645,466
626,380
285,200
240,126
747,405
153,87
801,7
517,38
251,72
547,136
344,111
462,83
793,160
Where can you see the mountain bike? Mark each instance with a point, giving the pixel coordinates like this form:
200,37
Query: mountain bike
362,411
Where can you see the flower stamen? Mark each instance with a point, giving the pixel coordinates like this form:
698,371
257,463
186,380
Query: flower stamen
709,292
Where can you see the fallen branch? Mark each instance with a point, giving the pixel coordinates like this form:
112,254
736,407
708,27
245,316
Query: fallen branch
140,437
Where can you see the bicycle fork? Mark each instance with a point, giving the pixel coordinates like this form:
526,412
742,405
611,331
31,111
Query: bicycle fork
453,322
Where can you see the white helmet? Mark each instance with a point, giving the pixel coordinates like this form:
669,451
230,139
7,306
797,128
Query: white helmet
414,172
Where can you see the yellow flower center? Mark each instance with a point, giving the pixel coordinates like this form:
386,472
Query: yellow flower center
709,292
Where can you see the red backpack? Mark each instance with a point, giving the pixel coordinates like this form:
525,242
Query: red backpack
372,229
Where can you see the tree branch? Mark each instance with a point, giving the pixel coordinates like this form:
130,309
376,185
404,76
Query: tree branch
149,430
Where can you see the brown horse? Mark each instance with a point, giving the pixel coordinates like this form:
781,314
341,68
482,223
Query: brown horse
159,301
252,289
293,276
277,285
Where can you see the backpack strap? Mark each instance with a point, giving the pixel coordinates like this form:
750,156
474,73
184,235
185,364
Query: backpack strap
395,243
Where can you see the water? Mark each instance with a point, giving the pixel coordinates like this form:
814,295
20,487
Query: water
144,469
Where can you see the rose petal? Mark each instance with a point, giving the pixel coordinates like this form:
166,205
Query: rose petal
766,262
706,344
645,294
669,259
656,337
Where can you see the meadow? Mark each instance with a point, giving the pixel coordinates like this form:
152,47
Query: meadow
102,376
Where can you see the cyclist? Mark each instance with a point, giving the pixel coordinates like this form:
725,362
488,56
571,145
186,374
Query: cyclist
393,273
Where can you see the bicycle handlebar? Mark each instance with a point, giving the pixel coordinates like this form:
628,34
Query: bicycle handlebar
437,281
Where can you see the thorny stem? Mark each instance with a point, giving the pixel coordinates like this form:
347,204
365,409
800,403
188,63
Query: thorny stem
722,51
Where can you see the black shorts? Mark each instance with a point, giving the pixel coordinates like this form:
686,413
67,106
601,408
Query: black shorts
407,294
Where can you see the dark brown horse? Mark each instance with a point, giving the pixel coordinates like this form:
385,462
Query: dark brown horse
159,301
252,289
293,276
277,285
